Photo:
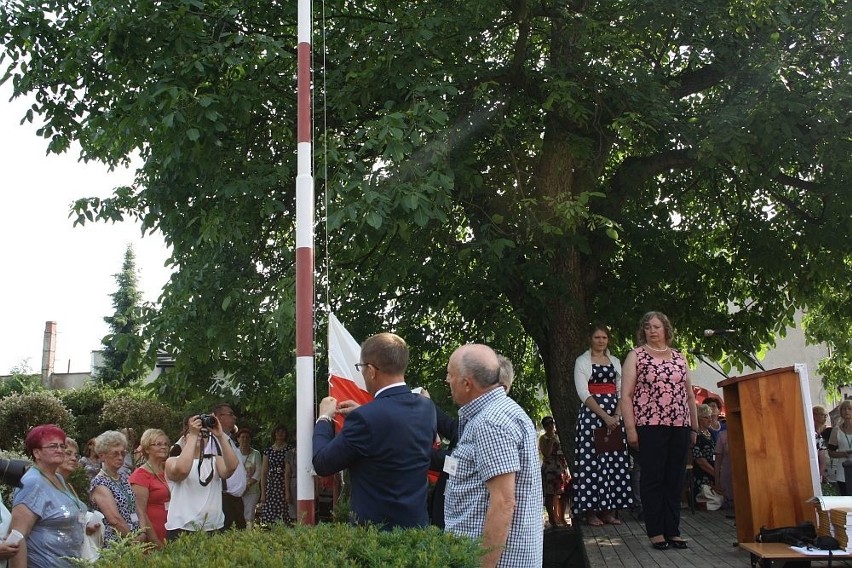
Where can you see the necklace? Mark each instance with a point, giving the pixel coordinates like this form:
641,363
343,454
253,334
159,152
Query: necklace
64,489
646,346
107,474
160,475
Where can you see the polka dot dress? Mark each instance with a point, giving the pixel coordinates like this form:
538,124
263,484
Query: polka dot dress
275,509
601,481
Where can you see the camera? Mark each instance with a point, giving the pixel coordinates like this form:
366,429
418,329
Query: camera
207,420
11,471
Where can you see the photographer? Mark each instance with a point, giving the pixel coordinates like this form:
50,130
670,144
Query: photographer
195,478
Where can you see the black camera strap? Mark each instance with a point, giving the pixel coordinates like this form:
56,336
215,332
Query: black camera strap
202,455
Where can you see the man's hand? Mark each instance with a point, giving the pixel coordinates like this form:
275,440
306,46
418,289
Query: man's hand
346,407
328,406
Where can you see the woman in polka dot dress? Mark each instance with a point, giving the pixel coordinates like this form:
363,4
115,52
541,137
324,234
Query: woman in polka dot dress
274,492
601,481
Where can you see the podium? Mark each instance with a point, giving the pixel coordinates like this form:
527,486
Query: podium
774,467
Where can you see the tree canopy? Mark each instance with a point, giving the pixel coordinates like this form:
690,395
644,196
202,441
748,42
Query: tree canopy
500,172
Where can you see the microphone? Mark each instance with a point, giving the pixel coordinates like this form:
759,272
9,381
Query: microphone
712,332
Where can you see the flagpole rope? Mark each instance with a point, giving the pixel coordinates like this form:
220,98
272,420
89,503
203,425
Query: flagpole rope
325,162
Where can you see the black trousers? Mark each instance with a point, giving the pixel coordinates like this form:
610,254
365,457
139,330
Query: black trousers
234,511
662,459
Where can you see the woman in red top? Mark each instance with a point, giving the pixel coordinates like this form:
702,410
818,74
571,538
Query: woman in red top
150,487
658,408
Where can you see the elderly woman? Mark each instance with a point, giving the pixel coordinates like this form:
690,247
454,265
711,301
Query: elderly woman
252,461
71,462
150,486
45,510
660,421
110,492
704,451
601,482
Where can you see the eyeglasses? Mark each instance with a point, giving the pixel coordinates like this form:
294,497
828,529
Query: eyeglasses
361,366
159,444
54,447
117,453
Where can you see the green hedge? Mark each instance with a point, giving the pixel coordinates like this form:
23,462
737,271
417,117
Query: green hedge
21,412
332,545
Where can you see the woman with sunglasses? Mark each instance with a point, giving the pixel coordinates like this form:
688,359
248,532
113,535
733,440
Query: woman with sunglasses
45,510
110,491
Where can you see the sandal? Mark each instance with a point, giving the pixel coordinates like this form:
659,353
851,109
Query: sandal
594,522
611,520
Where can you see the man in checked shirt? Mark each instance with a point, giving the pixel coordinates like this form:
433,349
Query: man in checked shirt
494,487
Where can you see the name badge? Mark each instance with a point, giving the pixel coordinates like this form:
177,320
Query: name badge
166,505
134,517
451,465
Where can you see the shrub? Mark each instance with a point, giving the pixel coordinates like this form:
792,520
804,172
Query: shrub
86,404
20,412
322,545
129,409
20,383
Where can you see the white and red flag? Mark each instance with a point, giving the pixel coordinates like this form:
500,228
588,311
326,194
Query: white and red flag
344,380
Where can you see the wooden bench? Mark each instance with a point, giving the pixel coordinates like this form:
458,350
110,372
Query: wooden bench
765,555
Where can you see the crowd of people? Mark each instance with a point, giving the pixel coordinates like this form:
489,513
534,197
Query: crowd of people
497,473
151,492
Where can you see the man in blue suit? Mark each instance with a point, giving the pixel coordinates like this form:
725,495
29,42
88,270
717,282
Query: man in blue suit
386,444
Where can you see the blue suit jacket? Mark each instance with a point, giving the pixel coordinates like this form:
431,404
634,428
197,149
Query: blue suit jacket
386,444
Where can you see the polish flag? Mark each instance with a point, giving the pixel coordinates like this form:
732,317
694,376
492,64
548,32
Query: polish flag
344,380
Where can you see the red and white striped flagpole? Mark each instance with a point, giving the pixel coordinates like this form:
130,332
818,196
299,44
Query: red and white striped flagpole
305,402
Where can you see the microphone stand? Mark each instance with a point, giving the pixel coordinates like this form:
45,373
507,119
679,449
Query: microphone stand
709,362
748,354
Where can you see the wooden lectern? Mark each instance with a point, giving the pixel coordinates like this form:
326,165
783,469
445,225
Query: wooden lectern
773,453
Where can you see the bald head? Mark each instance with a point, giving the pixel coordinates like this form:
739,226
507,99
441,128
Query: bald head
472,370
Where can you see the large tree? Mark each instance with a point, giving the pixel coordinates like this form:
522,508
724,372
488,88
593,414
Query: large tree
123,345
503,172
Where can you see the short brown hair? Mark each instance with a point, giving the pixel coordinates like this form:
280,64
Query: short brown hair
387,352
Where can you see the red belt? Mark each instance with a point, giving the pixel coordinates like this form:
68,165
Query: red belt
602,388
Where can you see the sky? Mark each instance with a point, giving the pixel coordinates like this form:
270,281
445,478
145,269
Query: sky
49,269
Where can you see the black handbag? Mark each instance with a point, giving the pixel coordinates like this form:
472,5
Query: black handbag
803,534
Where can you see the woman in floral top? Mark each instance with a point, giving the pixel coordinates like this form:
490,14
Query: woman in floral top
660,420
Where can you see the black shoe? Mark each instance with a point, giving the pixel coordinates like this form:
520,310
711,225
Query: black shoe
679,544
662,545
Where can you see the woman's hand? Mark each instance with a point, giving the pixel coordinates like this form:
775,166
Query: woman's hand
611,422
8,550
92,528
633,438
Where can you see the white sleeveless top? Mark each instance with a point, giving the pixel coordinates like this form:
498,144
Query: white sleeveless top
193,507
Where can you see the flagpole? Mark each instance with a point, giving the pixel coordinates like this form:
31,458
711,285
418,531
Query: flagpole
305,402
